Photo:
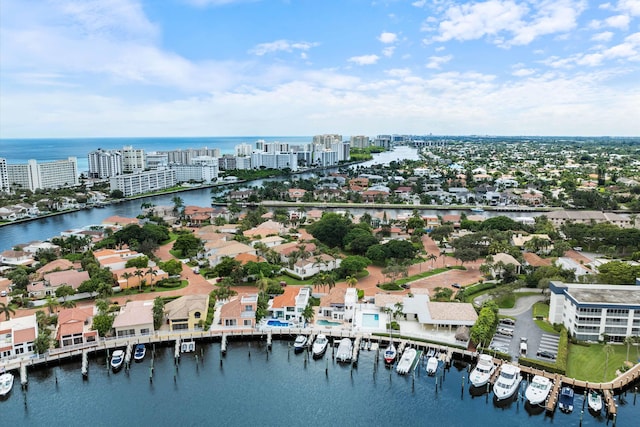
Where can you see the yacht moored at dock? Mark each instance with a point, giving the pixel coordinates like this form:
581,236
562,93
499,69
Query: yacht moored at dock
300,343
345,350
320,346
508,381
6,384
482,372
117,360
406,361
538,390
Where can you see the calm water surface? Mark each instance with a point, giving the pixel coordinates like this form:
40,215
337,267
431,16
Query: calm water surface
252,389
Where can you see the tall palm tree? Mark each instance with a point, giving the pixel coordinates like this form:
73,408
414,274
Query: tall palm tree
126,275
52,303
139,274
351,281
151,272
7,310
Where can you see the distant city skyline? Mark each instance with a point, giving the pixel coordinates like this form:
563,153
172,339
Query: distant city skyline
137,68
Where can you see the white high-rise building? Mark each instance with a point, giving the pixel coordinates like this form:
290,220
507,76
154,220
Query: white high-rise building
274,160
244,150
4,177
133,159
104,163
143,182
34,175
360,141
327,139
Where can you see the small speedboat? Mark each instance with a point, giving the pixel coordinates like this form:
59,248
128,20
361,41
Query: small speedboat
299,343
345,350
319,345
538,390
595,401
139,353
566,400
117,360
406,361
6,383
432,366
482,372
390,354
508,381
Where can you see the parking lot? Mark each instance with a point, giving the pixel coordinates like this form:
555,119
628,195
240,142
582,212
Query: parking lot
510,335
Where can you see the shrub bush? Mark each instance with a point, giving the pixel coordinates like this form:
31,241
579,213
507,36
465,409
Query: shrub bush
391,287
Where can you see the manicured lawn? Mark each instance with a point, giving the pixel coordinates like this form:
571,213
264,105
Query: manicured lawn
157,288
546,326
291,281
507,301
587,363
540,309
421,275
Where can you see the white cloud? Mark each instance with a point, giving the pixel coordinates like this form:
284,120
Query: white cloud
618,21
419,3
632,7
604,36
388,51
520,71
364,59
627,51
388,38
281,45
436,62
497,19
399,72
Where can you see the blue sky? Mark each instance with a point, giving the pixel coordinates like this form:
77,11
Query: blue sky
102,68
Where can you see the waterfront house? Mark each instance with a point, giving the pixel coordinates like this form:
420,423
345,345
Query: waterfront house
115,259
16,258
118,222
34,247
196,216
188,312
74,327
134,319
558,218
290,304
338,304
239,311
17,337
589,311
438,315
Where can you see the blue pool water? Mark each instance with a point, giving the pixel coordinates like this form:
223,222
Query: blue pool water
277,323
370,320
328,323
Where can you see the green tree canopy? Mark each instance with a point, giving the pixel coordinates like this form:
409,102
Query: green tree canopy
331,229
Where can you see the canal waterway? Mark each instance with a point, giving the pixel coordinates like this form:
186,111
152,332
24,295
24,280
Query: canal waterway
254,387
48,227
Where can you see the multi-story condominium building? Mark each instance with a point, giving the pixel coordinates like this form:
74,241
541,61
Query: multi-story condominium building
243,149
243,163
104,163
185,157
203,169
4,176
360,141
591,312
383,141
157,160
558,218
343,149
34,175
143,182
227,162
327,139
133,159
274,160
325,157
276,147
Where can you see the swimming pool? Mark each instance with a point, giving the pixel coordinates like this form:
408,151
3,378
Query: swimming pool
370,320
278,323
328,323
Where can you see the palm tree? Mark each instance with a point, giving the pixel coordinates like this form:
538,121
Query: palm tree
69,304
432,258
52,303
7,310
398,310
139,274
262,282
317,281
151,272
608,349
126,275
351,281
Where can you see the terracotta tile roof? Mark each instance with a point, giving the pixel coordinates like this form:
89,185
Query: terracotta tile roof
24,335
335,296
181,307
287,299
72,278
535,261
135,313
232,309
245,258
120,220
58,264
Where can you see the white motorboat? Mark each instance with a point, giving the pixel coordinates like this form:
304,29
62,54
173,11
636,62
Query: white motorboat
406,361
508,381
595,401
300,343
139,353
432,366
6,383
320,345
481,374
390,353
538,389
117,360
345,350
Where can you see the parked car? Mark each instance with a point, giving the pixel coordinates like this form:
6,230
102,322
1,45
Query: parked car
456,285
508,321
546,354
505,331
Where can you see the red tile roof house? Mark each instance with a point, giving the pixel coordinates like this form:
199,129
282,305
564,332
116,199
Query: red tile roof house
134,319
115,259
52,281
240,312
296,194
74,327
196,215
290,305
17,336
